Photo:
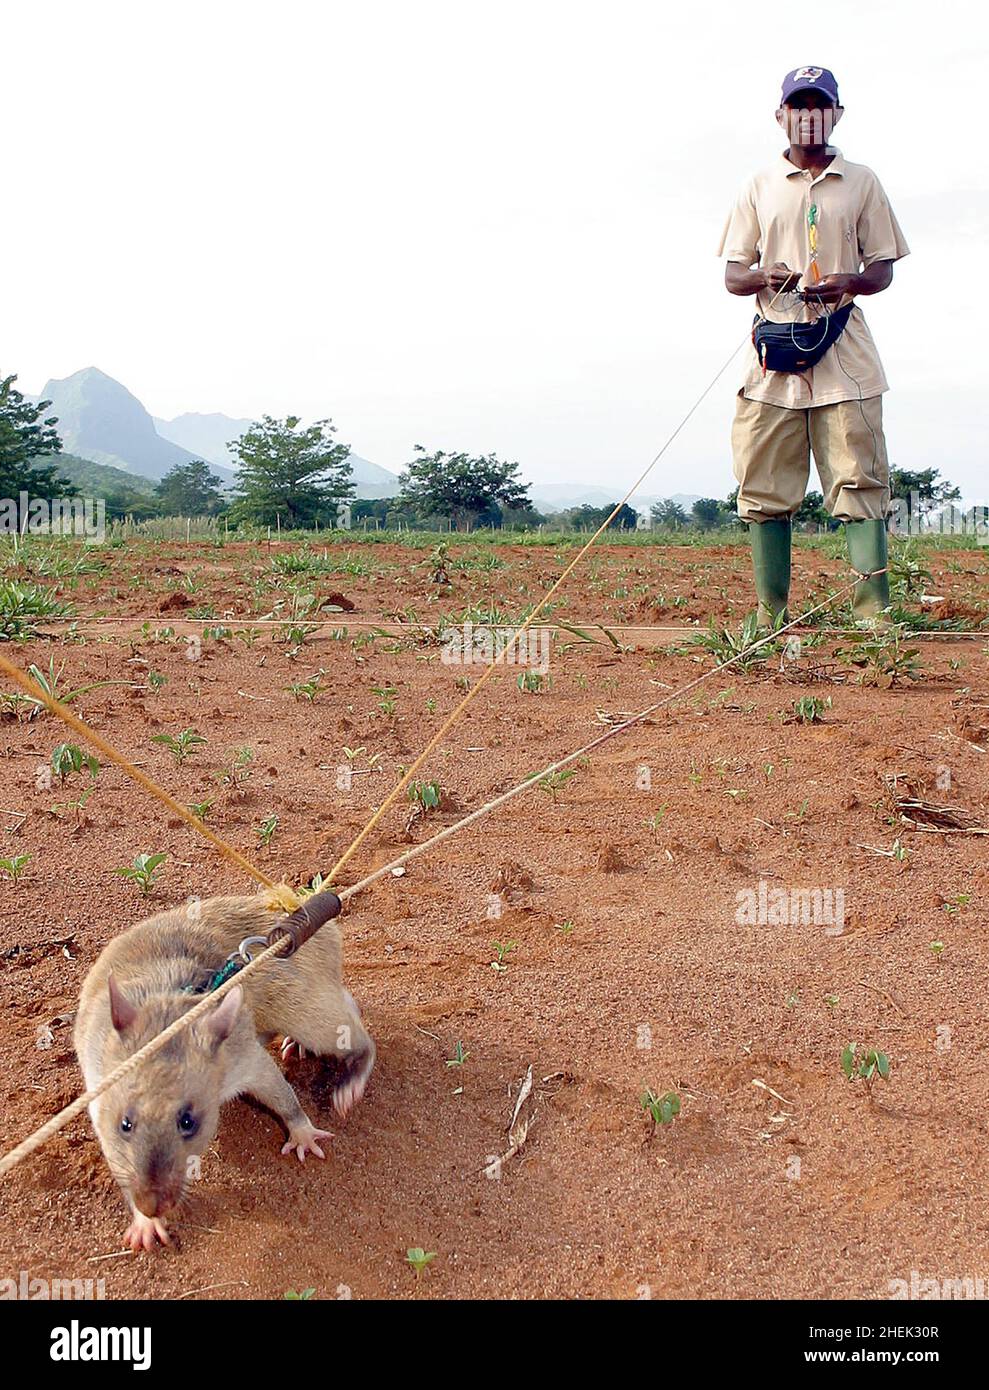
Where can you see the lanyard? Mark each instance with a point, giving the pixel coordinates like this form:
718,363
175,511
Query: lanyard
813,269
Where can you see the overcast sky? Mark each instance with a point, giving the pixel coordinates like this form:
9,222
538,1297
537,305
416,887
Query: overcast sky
471,225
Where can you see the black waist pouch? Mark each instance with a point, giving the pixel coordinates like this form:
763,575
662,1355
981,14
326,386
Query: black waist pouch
793,347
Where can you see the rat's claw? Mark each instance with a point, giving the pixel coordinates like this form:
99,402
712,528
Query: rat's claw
145,1231
304,1140
346,1096
289,1045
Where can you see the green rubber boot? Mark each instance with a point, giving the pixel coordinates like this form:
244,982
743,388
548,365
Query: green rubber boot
771,565
867,553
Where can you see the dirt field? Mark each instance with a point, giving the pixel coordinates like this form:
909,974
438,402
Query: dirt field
629,965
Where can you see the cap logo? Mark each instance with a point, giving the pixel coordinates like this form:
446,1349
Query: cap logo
807,74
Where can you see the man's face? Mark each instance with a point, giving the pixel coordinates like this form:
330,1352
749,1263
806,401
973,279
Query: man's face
809,118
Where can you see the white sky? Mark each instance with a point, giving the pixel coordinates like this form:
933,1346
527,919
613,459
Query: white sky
473,226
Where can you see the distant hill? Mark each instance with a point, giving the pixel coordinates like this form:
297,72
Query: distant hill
558,497
99,479
207,436
99,420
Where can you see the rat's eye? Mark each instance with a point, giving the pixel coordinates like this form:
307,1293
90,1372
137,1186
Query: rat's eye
126,1125
187,1123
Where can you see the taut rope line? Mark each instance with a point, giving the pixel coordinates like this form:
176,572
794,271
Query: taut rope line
63,1117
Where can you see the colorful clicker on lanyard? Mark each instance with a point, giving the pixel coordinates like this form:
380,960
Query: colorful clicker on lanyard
814,271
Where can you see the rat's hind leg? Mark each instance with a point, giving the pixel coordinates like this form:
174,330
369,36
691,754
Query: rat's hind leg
333,1028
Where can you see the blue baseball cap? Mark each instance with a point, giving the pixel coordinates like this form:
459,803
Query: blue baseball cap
810,80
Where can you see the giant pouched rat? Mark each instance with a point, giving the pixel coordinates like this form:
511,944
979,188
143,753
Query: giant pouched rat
152,1122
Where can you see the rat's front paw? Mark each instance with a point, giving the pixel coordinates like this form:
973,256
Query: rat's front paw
304,1139
145,1231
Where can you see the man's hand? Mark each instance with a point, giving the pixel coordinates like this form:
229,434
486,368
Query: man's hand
779,277
832,288
876,277
739,279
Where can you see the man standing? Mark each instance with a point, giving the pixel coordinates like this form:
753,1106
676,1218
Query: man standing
815,218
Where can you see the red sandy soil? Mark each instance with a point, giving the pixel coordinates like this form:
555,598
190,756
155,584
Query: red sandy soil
628,969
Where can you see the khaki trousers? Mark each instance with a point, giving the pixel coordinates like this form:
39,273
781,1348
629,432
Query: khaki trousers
771,448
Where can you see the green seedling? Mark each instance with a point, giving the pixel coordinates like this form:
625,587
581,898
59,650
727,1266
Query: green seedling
459,1056
266,831
307,690
75,807
303,1296
180,745
428,796
503,950
200,809
156,680
807,710
67,759
386,698
656,820
21,605
864,1066
553,782
50,682
882,658
419,1258
143,871
662,1110
936,947
956,903
565,927
530,682
238,769
726,646
352,754
15,866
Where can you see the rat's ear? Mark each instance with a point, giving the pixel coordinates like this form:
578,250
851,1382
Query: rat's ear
224,1016
122,1011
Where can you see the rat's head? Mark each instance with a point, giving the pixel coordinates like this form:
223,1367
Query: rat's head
153,1123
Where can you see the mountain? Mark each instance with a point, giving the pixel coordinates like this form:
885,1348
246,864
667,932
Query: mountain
207,436
558,497
98,419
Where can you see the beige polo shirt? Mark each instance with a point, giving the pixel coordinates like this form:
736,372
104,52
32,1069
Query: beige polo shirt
855,227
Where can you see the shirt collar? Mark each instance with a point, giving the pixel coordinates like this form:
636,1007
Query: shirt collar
837,165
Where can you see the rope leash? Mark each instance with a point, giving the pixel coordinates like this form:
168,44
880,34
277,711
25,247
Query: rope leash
40,1136
283,894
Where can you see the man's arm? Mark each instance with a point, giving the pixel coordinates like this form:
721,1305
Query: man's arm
877,276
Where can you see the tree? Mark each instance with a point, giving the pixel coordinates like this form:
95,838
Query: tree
297,475
625,519
27,435
707,513
668,513
190,489
461,487
930,493
811,510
